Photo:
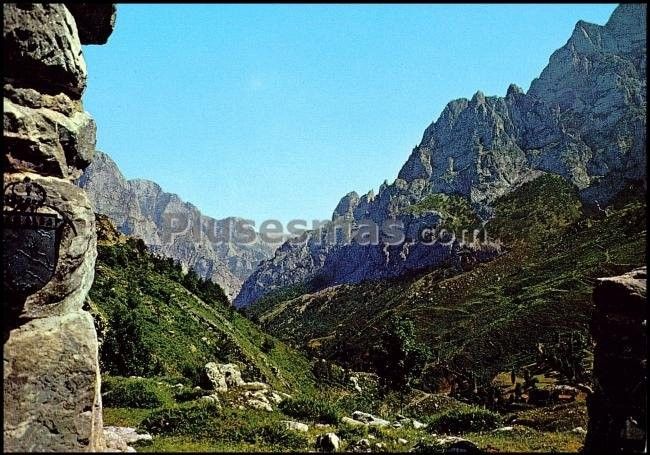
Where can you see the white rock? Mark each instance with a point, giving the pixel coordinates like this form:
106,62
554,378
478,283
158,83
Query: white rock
352,422
402,441
355,383
223,375
417,425
369,419
295,426
257,404
254,386
276,398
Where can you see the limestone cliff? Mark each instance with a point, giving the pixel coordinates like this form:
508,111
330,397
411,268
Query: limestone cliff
51,396
140,208
584,118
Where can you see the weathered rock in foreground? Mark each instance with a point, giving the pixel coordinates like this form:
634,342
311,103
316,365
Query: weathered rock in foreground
617,408
52,398
51,385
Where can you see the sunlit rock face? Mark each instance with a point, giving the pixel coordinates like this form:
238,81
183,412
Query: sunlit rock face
52,396
140,208
584,118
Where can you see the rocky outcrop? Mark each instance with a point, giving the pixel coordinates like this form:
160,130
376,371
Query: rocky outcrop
223,376
119,439
584,118
617,408
52,398
140,208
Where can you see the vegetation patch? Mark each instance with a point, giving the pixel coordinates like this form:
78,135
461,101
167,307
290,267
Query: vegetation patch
311,409
464,420
119,392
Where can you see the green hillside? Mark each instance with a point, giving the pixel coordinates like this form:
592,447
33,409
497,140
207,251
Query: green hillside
491,318
154,320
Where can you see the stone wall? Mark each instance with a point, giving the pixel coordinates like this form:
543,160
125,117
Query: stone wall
618,406
52,398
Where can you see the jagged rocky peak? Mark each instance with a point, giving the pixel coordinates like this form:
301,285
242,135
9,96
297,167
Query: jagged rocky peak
584,118
141,208
346,206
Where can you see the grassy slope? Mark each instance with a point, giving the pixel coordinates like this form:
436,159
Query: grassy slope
181,331
492,317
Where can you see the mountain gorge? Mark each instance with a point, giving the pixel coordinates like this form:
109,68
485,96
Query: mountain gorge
583,119
141,209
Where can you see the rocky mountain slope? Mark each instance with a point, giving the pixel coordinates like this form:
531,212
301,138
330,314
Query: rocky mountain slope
140,208
584,119
491,317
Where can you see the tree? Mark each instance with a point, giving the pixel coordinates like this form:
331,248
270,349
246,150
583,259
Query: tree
398,358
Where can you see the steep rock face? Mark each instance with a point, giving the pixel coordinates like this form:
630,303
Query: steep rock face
583,118
172,227
52,398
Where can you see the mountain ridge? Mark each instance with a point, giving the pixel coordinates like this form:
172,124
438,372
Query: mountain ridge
139,208
583,119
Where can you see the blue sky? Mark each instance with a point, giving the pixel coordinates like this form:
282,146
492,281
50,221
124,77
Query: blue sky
277,111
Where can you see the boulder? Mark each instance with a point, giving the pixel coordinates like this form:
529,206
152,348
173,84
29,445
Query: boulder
258,404
75,268
369,419
294,426
254,386
328,442
352,422
355,383
276,398
223,375
120,438
46,141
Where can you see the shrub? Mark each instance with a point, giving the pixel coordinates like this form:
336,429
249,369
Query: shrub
309,408
352,432
185,395
275,434
464,420
121,392
207,421
195,419
268,345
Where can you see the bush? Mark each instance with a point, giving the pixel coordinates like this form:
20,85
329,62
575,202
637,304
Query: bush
185,395
195,419
464,420
207,421
275,434
121,392
308,408
352,432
